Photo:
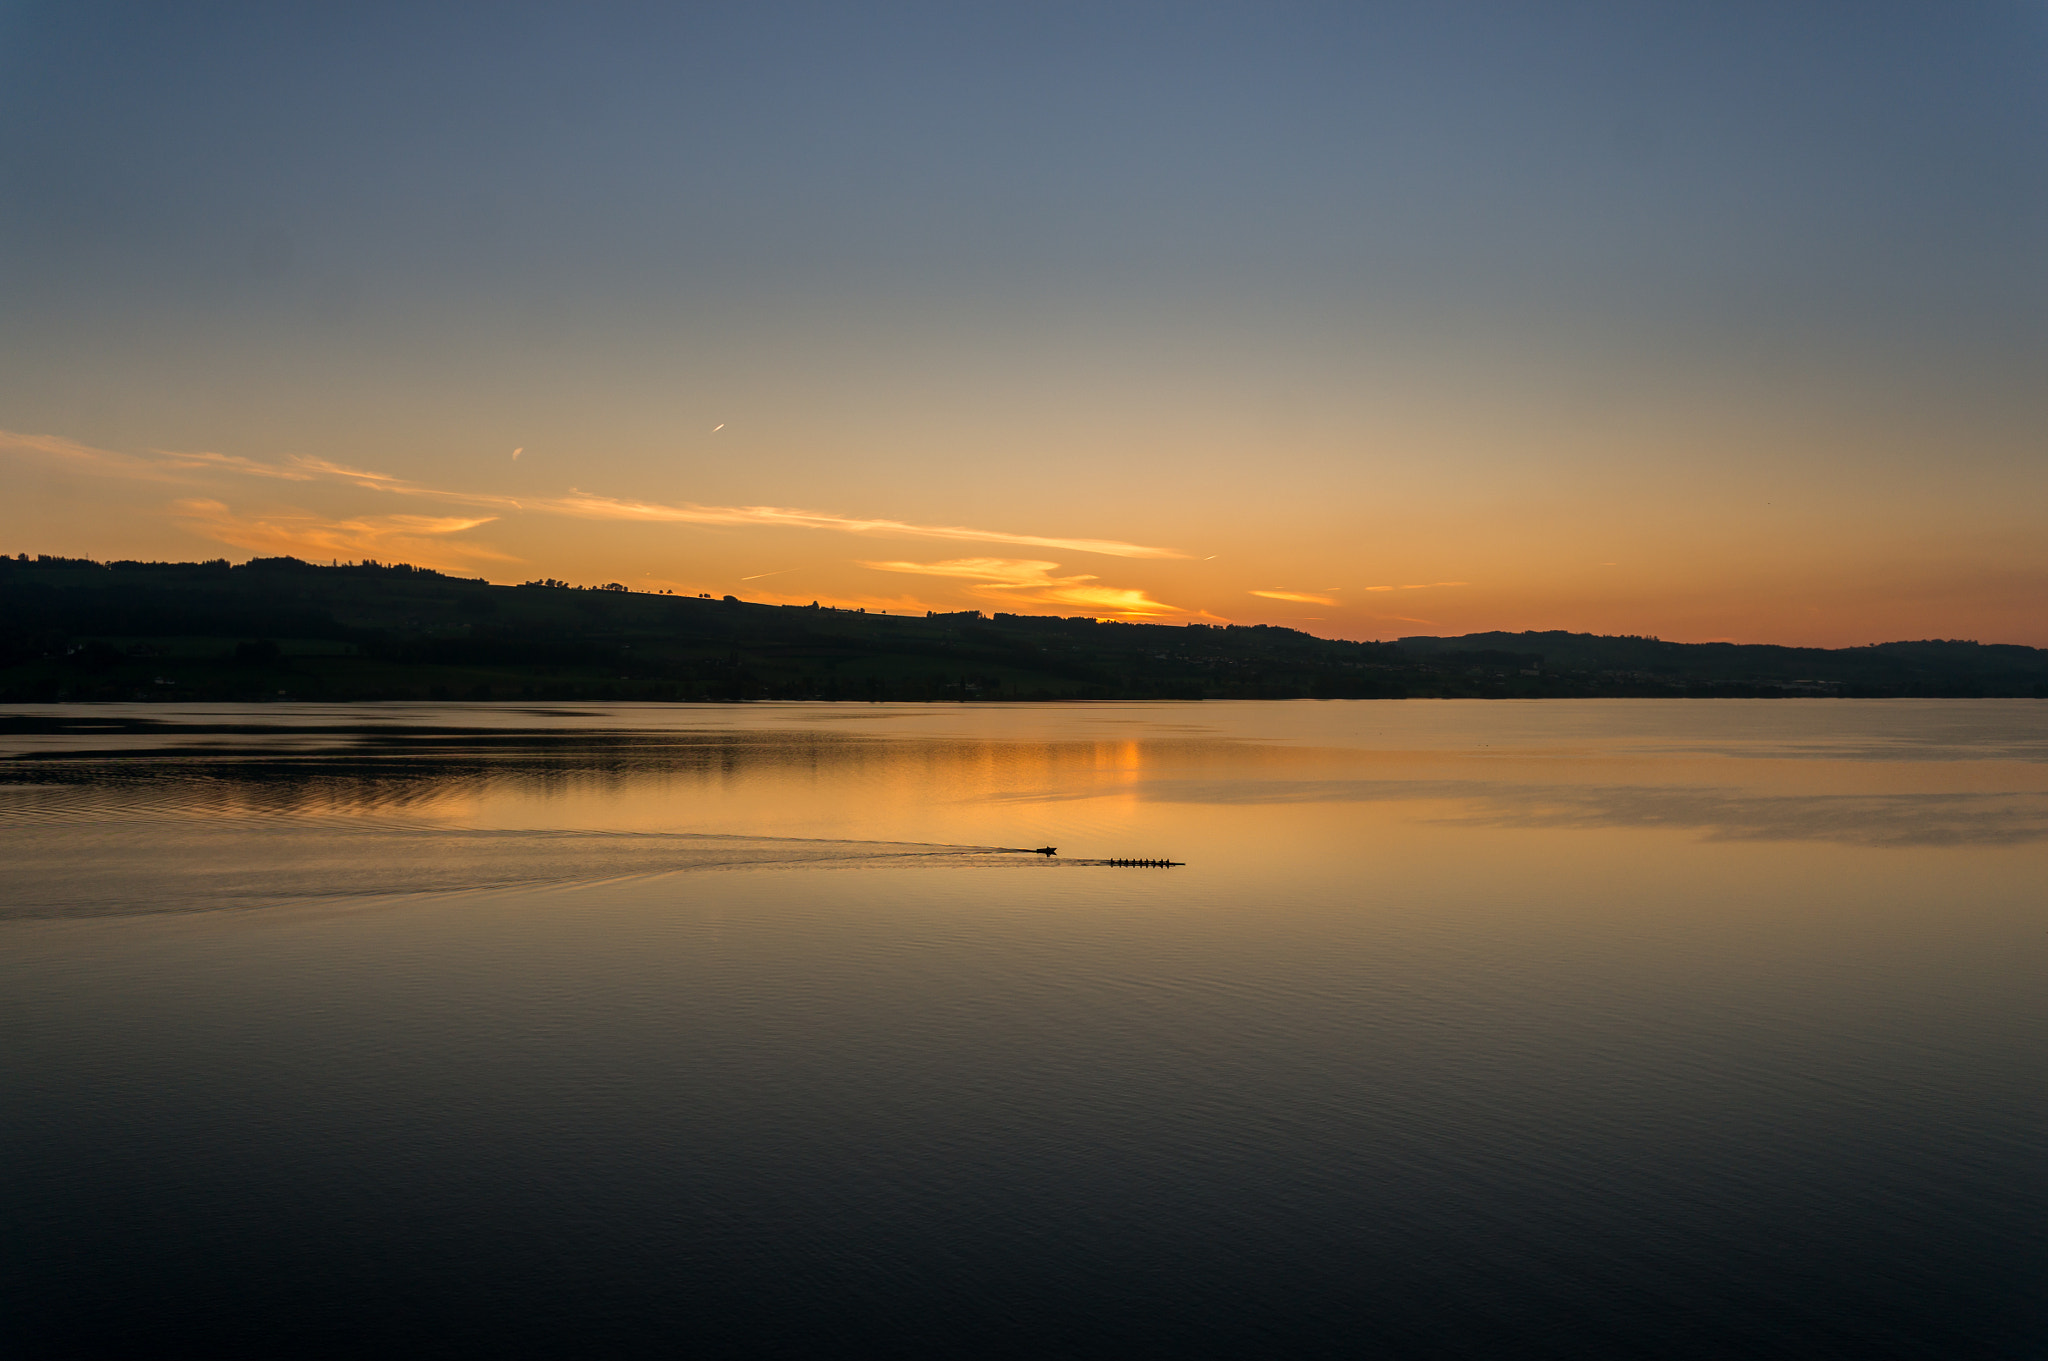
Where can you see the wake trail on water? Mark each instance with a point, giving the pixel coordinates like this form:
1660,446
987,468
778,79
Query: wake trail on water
116,866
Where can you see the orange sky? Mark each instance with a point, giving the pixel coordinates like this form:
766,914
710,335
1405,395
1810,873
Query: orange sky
1832,566
1724,324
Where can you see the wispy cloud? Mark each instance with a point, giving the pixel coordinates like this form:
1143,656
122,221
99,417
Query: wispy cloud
58,449
230,463
1317,598
368,480
1005,573
153,465
1020,581
1297,596
413,538
591,506
168,466
594,507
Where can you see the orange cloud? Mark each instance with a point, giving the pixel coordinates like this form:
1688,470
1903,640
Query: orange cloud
1002,572
1296,596
590,506
417,539
163,466
1023,581
607,508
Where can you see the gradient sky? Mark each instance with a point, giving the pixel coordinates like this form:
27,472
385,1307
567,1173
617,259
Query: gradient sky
1702,320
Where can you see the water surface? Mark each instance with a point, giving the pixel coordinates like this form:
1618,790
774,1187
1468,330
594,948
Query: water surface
1551,1028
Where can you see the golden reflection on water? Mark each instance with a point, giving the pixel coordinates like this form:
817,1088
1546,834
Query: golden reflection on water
1694,999
1284,791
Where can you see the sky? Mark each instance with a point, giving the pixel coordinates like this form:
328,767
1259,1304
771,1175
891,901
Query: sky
1707,321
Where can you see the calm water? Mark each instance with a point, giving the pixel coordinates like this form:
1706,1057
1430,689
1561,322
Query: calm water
1555,1029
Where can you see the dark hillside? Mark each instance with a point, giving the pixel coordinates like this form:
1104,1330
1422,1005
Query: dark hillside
75,629
1931,668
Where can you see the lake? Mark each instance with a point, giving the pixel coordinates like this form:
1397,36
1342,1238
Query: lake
1553,1028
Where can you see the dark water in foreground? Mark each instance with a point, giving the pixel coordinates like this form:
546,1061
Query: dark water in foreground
1557,1029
